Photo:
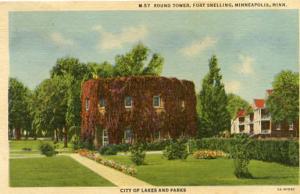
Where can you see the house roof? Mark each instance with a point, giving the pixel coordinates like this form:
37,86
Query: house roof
259,103
241,113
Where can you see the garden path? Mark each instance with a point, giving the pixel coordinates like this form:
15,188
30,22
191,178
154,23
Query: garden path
112,175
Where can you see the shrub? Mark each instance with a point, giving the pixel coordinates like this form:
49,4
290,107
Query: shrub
293,153
108,150
122,147
76,143
137,154
157,145
176,150
88,144
47,149
241,156
208,154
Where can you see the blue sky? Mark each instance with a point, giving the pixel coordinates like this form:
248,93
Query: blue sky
251,46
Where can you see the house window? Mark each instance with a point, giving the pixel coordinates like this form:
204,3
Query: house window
291,126
87,104
156,101
128,135
128,102
102,102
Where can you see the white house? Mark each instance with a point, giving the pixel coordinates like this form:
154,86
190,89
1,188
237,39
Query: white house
259,122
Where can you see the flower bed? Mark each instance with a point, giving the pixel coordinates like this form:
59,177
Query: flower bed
208,154
110,163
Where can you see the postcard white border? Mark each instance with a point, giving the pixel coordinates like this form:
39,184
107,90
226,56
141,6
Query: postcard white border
6,7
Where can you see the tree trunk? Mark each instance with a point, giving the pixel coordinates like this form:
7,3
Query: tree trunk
26,136
18,133
56,135
34,135
65,137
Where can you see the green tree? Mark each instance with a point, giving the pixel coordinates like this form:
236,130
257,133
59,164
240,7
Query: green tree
73,72
214,116
133,62
102,70
236,103
283,103
18,107
71,66
50,106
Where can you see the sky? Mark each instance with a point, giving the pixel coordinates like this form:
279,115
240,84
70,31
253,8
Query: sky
251,46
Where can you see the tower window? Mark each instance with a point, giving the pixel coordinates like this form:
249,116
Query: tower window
156,101
87,104
128,102
102,102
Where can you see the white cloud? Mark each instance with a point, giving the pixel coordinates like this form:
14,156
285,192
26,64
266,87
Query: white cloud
198,46
61,41
245,65
109,40
232,86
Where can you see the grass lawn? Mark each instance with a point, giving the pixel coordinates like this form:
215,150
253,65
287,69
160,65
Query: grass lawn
16,147
51,172
192,172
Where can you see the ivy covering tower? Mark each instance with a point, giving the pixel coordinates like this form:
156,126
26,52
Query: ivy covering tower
214,116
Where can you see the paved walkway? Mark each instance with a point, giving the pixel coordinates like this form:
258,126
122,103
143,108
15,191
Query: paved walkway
116,177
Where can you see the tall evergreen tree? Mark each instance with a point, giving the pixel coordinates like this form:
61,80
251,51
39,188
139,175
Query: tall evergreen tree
214,116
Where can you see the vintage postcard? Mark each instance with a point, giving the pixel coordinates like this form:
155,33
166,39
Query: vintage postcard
149,97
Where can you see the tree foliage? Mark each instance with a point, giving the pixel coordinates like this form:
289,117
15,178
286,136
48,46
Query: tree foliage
236,103
214,116
18,106
240,152
102,70
283,103
134,62
69,66
50,104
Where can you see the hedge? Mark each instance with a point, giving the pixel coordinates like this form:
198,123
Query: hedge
148,146
281,151
157,145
